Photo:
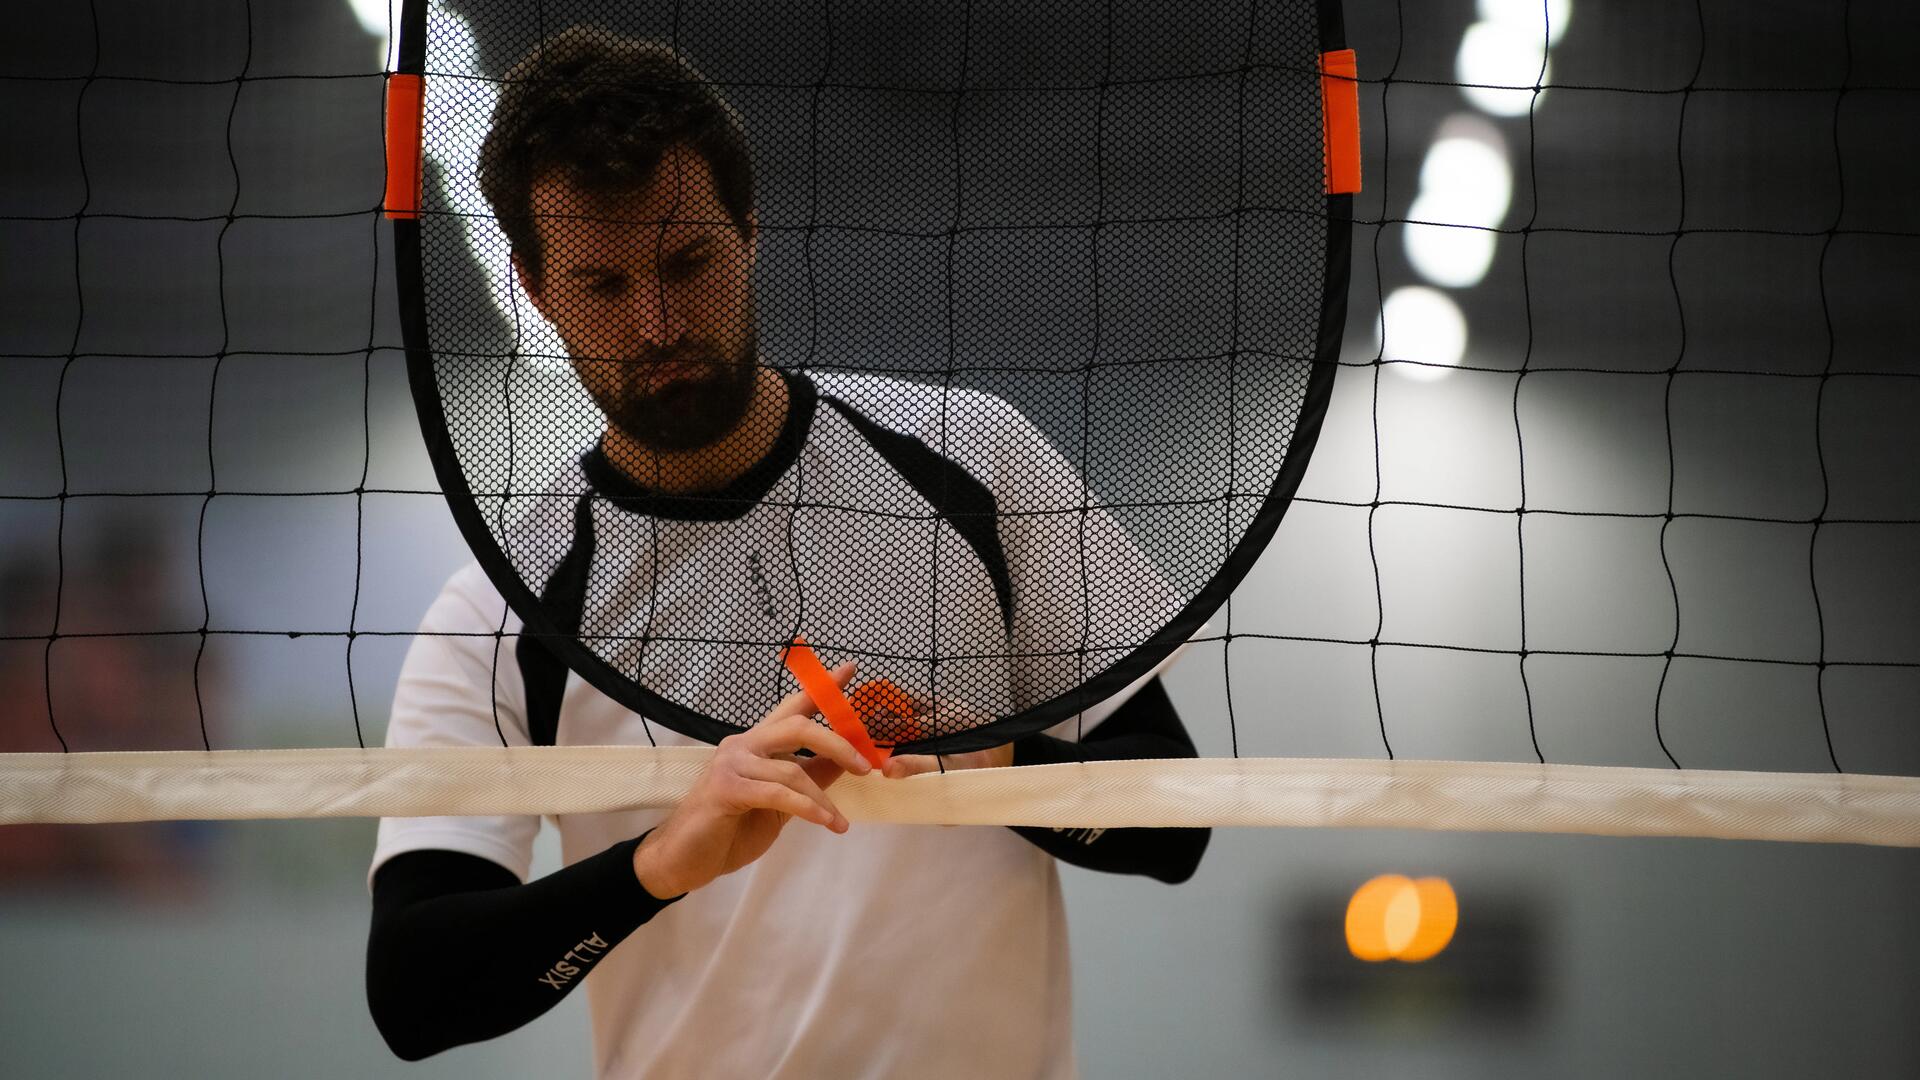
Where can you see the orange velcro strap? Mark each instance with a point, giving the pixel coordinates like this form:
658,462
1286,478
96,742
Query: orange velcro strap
1340,120
818,682
403,146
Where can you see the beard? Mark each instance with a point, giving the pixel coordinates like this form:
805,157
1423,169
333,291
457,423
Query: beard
696,407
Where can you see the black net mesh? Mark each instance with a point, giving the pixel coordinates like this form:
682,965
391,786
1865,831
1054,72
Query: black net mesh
971,344
1661,506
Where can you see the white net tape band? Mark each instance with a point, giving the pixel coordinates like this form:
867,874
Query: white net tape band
1293,792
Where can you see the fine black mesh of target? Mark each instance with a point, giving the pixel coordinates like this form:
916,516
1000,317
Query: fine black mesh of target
1014,325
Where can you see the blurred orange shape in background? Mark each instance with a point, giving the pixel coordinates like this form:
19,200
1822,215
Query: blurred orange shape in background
1394,917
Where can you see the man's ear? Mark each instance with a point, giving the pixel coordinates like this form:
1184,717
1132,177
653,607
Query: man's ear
527,283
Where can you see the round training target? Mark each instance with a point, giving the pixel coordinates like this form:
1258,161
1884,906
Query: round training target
982,345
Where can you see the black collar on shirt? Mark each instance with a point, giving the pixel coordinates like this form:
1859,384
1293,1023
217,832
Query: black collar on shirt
726,504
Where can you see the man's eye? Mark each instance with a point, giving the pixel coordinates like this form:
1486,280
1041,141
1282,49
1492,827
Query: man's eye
688,265
606,286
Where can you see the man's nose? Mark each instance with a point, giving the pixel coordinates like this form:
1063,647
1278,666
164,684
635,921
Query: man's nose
654,313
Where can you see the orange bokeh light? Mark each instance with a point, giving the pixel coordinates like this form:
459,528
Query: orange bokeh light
1394,917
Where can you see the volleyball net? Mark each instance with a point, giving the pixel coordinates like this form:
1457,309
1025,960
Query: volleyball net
1612,525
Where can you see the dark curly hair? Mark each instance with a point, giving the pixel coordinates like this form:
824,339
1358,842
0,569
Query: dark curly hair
604,109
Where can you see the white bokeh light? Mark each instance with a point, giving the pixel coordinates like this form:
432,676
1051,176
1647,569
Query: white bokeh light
1507,53
465,108
1423,327
1526,14
1450,254
1498,65
377,18
1466,186
1467,170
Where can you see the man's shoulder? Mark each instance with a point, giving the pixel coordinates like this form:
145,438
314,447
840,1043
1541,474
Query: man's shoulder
468,602
471,582
919,408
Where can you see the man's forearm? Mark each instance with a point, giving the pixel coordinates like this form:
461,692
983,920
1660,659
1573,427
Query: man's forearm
460,951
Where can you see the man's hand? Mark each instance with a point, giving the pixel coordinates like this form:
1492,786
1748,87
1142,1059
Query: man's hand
906,765
739,805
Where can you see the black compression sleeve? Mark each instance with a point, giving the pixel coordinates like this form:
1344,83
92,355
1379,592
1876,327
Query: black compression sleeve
461,951
1146,726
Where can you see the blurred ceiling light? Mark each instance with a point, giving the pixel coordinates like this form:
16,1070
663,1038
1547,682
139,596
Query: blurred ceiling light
1467,167
1498,65
376,17
1424,330
1449,254
455,148
1466,186
1505,54
1526,14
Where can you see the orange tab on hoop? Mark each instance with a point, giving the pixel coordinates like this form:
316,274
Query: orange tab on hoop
841,716
1340,120
404,102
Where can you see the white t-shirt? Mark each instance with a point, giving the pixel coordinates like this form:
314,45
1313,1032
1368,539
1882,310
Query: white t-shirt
888,951
695,597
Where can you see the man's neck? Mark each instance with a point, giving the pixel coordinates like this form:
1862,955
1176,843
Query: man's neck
709,468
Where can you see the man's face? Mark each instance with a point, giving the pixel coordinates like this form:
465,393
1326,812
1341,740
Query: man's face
651,292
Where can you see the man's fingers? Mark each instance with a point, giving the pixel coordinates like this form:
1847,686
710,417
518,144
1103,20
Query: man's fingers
824,771
792,775
767,795
793,733
901,766
913,764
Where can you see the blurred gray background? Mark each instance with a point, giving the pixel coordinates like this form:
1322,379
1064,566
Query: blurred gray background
1687,353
